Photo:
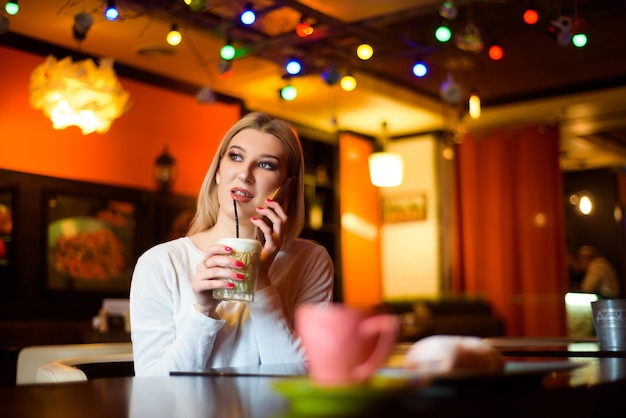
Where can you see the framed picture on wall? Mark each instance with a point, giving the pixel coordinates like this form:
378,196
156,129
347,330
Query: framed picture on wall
404,207
90,242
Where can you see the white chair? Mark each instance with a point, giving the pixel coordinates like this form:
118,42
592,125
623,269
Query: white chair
77,369
31,359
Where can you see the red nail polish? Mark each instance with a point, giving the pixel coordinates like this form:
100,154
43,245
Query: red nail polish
231,284
229,249
254,218
239,276
268,200
238,263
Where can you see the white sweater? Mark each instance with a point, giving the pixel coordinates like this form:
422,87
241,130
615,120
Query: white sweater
168,334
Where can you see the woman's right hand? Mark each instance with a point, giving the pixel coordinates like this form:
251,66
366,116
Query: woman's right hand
210,272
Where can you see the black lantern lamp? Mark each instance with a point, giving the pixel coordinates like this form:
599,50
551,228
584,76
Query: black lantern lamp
165,170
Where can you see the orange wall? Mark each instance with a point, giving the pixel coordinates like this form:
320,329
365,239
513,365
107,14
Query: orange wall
360,255
124,155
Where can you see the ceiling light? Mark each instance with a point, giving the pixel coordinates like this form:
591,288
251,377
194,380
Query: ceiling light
228,51
385,167
111,12
561,30
248,16
364,52
174,37
420,69
11,7
348,83
79,93
448,10
82,23
469,39
288,92
450,90
293,66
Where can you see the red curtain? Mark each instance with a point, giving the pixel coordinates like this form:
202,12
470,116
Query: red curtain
509,230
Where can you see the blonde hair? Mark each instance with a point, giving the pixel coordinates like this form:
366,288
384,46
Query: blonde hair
207,206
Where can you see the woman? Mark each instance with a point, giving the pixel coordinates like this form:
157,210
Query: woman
176,323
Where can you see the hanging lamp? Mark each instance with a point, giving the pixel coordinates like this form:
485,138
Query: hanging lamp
385,167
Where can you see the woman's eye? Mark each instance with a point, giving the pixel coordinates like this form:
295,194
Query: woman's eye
234,156
267,165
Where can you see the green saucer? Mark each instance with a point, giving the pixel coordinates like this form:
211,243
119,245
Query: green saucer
310,400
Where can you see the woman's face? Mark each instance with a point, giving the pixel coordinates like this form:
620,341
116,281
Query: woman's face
252,169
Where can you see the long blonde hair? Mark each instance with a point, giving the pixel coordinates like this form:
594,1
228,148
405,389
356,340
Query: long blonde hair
207,206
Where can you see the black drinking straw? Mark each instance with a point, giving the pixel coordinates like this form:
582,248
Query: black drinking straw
236,218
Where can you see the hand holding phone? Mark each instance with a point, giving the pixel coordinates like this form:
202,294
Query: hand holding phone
280,197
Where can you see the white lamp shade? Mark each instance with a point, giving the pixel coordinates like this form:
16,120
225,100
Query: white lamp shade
386,169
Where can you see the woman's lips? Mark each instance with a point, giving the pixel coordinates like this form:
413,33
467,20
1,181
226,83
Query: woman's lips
241,195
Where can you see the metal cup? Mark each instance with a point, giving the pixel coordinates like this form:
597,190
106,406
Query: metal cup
609,320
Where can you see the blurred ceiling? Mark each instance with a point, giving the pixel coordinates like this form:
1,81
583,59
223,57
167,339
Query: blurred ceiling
539,79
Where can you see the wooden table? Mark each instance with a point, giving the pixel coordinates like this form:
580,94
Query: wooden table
596,389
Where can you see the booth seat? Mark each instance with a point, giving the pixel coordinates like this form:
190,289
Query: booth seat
31,359
448,315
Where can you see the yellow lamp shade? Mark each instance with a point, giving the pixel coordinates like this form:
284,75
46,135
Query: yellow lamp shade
78,93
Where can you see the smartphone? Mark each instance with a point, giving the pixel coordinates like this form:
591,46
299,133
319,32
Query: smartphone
279,197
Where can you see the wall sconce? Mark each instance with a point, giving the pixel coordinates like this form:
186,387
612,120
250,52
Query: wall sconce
474,106
78,93
165,170
385,167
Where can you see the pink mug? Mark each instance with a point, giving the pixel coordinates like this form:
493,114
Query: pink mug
344,346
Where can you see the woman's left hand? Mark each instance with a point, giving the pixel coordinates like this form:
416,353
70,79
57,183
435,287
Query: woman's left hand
273,237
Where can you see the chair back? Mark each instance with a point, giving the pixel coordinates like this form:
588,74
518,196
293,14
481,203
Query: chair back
30,359
76,369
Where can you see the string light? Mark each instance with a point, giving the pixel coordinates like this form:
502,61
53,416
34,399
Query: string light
174,37
304,29
293,66
111,12
11,7
420,69
288,93
348,82
228,51
248,16
443,33
495,52
531,16
579,40
364,52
